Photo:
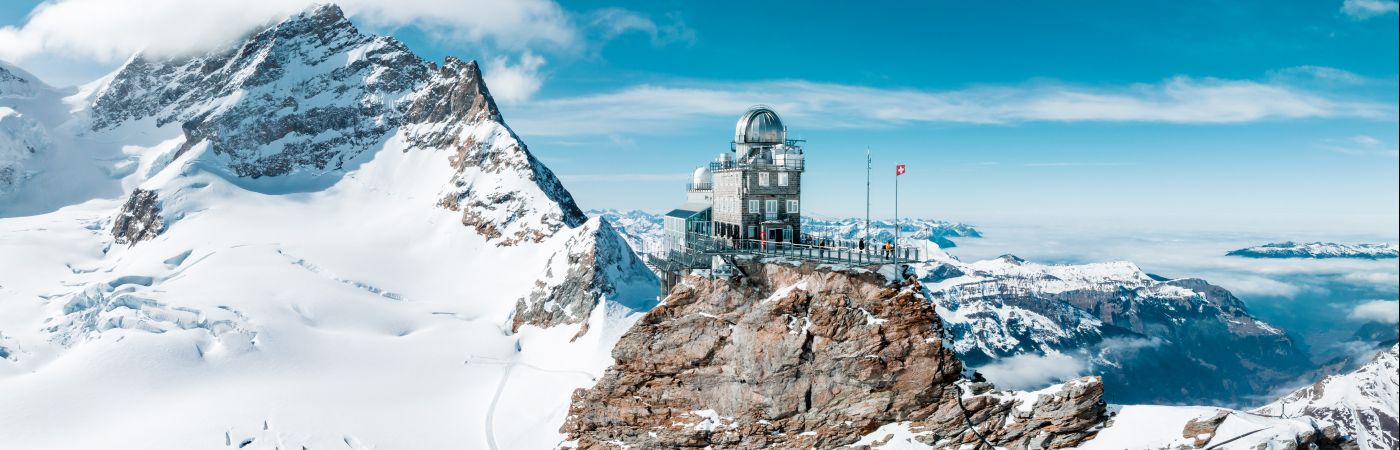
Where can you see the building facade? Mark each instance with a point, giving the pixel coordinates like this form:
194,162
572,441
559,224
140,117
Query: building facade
753,191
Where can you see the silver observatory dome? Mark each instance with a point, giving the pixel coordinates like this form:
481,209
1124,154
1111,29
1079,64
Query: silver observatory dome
760,125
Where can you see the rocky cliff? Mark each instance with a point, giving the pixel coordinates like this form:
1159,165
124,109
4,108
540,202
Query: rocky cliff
792,356
593,266
297,105
139,218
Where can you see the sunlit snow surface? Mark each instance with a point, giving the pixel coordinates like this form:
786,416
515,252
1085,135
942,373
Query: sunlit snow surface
344,317
354,313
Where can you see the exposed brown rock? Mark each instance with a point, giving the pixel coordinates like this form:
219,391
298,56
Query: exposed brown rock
1202,429
805,357
455,99
139,218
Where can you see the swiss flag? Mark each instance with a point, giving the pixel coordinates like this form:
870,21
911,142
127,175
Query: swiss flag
899,170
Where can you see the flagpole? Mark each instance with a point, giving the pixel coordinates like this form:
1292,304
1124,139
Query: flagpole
896,210
867,194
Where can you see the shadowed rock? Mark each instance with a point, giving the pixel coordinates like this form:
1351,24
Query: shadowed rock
139,218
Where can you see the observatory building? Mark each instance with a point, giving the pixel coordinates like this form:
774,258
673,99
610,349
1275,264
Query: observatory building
753,191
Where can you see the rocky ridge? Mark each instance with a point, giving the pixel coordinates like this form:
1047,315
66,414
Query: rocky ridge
1362,404
802,357
311,98
594,265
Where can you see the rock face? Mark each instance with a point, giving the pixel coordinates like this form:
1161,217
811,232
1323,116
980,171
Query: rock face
311,98
594,265
1154,340
802,357
490,160
1363,404
247,96
139,219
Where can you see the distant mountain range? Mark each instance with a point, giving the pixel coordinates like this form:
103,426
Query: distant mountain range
1153,339
1319,250
644,231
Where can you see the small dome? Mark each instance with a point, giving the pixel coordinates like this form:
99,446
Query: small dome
701,176
760,125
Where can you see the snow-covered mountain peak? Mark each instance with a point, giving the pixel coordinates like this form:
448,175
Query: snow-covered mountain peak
298,105
17,83
312,199
1362,403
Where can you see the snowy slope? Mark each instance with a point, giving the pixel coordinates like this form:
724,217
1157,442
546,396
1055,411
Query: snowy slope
1144,427
24,138
344,233
1364,403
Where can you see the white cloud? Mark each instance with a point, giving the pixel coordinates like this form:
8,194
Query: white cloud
1029,371
613,22
1252,285
1183,100
1126,347
1384,311
1360,145
1318,73
514,83
1378,278
1365,9
114,29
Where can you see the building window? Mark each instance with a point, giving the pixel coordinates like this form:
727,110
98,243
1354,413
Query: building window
753,207
782,178
763,178
770,206
752,231
792,207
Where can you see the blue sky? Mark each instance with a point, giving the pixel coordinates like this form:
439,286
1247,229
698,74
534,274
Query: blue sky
1271,116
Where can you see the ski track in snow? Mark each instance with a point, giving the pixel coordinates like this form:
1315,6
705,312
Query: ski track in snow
352,283
491,411
501,387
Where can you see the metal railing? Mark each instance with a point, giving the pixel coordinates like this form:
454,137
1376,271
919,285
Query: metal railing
790,164
699,186
699,247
